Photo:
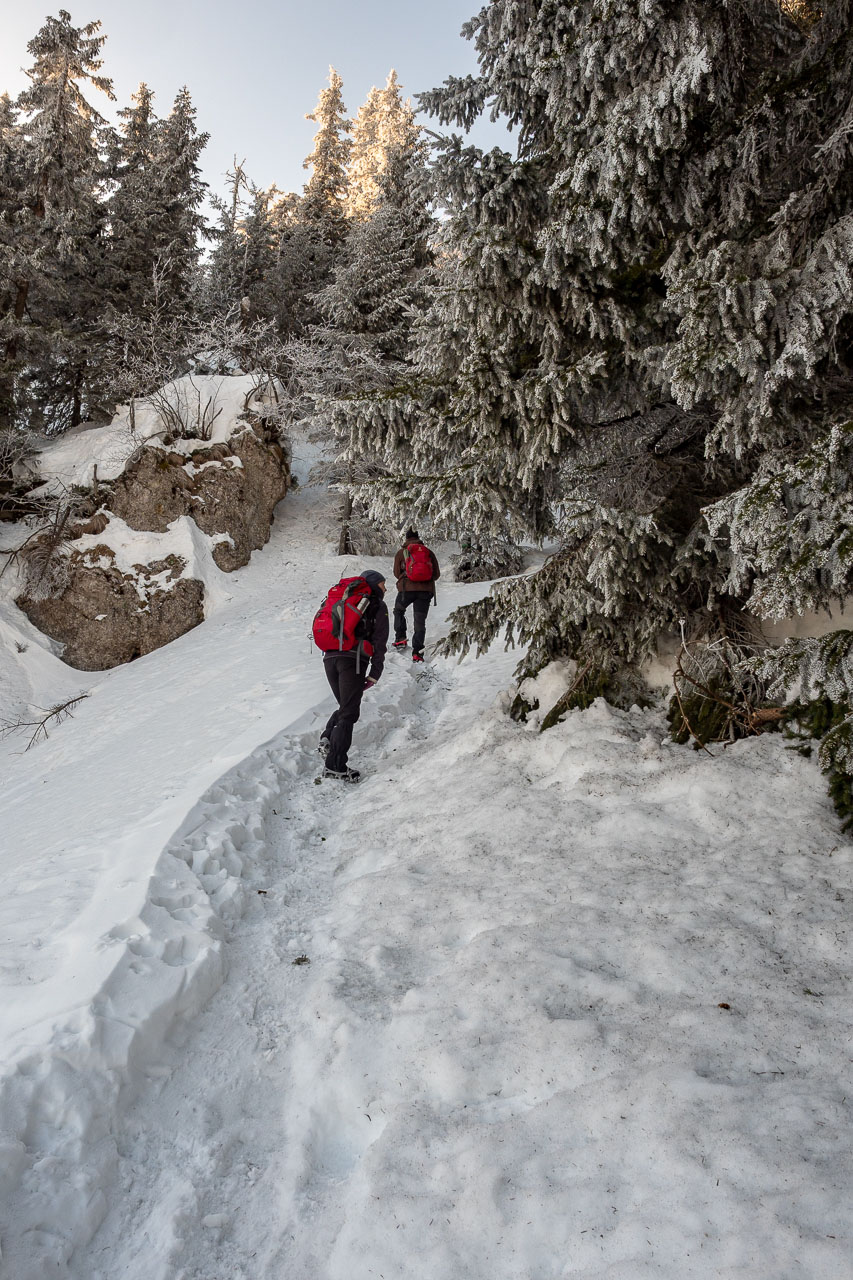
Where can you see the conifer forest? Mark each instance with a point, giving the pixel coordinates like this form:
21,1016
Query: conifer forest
627,341
560,990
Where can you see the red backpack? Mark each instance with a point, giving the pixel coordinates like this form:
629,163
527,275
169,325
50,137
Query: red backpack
339,622
418,563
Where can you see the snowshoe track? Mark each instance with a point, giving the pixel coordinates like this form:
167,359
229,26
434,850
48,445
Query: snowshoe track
184,1160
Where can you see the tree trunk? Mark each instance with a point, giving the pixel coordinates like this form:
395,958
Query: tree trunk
345,547
77,402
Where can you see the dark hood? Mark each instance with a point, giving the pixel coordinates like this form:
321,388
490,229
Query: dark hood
373,577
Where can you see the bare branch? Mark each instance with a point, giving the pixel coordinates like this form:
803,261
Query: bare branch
50,716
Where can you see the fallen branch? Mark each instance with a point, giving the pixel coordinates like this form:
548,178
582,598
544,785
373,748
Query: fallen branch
743,709
684,718
42,543
61,711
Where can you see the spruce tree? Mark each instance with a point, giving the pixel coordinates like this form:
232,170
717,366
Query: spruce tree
134,206
224,274
154,301
358,349
325,192
179,192
640,316
304,260
260,255
384,128
365,158
11,182
53,294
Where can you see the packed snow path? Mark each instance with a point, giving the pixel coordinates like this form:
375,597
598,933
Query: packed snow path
570,1007
570,1004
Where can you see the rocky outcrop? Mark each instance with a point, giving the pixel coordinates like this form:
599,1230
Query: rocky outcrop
105,616
107,592
229,489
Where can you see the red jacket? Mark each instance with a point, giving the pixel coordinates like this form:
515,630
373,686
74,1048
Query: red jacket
403,583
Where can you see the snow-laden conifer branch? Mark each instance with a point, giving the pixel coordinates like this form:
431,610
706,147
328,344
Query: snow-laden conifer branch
639,335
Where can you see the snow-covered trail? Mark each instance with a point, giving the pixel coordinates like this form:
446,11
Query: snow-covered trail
575,1005
86,814
211,1146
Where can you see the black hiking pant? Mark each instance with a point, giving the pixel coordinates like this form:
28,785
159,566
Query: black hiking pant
348,687
420,602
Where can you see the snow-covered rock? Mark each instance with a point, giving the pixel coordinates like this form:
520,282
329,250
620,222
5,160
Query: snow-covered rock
230,489
109,595
115,595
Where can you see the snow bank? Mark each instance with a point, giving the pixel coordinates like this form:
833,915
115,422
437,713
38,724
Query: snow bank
104,940
542,691
579,1007
573,1004
61,1103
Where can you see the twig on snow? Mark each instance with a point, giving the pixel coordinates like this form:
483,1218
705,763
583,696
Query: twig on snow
57,713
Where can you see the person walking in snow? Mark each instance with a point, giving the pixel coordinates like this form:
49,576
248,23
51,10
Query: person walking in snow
349,675
416,570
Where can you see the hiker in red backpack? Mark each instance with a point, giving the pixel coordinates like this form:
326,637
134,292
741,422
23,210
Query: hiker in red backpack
416,570
351,627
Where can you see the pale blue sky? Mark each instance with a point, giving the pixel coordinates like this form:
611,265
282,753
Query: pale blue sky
255,67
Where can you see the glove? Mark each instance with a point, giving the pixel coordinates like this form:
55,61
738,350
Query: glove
369,682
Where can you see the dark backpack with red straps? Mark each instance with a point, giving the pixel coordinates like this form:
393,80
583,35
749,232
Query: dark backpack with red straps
418,563
339,622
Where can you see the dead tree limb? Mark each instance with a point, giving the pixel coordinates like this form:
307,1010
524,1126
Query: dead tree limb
39,725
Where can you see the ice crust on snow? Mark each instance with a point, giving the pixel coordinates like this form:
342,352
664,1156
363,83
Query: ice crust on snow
577,1002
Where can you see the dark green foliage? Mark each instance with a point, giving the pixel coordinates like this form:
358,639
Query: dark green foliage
810,722
701,718
718,696
830,725
480,561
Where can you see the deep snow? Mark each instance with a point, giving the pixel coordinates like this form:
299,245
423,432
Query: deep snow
573,1004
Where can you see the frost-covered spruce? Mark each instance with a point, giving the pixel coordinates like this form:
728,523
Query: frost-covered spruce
133,205
11,180
325,191
643,309
51,294
242,268
100,239
151,299
357,353
224,275
179,194
384,127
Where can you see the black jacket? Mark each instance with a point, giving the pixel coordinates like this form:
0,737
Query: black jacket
376,631
376,623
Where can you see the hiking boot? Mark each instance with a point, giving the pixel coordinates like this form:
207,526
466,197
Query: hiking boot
323,746
401,644
417,657
342,775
